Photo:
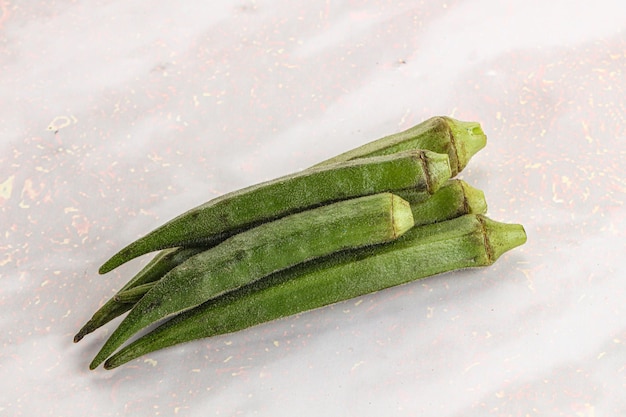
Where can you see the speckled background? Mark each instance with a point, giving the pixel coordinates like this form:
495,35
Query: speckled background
117,115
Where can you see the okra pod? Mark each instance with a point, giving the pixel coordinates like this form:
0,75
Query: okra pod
453,199
265,249
154,270
458,139
231,213
463,242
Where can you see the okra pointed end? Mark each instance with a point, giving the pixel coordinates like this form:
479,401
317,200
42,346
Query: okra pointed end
88,328
104,353
402,215
145,244
469,138
109,364
131,251
502,237
111,264
124,331
94,364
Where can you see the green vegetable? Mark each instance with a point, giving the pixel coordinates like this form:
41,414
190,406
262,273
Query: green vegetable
453,199
467,241
242,259
459,140
230,213
162,263
265,249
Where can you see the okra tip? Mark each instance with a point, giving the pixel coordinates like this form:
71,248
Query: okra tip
111,363
502,237
469,138
88,328
115,261
131,251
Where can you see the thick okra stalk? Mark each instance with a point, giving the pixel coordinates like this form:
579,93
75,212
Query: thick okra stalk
455,198
245,208
459,140
255,253
154,270
467,241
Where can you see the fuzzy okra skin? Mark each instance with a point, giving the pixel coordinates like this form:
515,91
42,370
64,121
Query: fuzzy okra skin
463,242
453,199
230,213
458,139
270,247
154,270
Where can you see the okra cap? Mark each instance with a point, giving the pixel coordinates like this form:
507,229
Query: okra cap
501,237
469,138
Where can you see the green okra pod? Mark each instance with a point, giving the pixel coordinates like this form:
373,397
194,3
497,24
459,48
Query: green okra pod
463,242
453,199
236,211
458,139
270,247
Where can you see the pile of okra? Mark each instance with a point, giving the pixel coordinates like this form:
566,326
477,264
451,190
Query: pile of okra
383,214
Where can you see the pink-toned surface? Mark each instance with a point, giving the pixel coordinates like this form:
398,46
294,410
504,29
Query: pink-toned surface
117,115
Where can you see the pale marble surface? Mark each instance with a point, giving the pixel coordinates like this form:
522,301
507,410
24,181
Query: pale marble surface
118,115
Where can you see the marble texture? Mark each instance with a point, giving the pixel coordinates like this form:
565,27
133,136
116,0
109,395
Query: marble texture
118,115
